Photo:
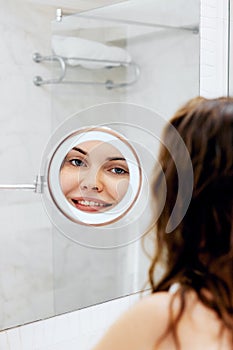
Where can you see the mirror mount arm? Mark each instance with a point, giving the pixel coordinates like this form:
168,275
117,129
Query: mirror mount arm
37,187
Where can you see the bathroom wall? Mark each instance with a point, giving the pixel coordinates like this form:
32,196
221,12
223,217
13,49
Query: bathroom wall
39,273
231,53
25,260
26,267
214,48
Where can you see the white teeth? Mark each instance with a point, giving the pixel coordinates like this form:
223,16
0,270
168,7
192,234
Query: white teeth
91,203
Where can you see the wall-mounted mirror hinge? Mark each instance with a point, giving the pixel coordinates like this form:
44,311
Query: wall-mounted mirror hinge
39,184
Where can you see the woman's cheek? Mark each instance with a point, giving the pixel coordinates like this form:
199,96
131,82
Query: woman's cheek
121,187
66,181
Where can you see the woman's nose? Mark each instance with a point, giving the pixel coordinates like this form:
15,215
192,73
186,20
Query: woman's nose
92,182
90,187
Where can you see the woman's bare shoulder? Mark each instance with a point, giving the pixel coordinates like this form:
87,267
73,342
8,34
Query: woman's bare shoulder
140,326
152,306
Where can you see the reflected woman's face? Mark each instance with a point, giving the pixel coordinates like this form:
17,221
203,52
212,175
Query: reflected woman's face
94,176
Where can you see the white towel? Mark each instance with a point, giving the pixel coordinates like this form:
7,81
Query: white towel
81,49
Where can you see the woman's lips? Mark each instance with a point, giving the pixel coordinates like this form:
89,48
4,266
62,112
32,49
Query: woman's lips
90,204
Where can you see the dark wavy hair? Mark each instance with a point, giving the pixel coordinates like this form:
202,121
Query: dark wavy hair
198,253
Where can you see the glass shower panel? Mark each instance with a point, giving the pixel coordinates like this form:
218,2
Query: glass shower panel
143,55
159,45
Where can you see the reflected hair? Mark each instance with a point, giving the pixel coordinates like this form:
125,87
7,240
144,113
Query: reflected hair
198,253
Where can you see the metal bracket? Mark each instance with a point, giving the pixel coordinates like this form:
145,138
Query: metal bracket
38,80
59,15
37,187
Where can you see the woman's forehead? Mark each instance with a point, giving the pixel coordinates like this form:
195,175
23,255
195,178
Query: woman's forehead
100,148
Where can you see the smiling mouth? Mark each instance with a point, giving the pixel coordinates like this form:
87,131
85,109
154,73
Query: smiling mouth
90,205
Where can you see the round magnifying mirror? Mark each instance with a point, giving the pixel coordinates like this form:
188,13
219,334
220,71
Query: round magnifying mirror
94,176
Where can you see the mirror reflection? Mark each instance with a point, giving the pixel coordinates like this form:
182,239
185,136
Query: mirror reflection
94,176
89,176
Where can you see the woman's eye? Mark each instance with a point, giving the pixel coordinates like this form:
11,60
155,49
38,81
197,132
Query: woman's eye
119,171
77,162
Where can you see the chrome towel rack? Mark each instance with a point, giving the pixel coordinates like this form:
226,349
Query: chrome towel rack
63,63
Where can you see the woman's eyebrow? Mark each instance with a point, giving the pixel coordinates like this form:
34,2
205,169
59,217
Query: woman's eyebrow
80,150
116,158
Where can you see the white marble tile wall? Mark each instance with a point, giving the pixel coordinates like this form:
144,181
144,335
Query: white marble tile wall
231,52
214,48
20,100
26,279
